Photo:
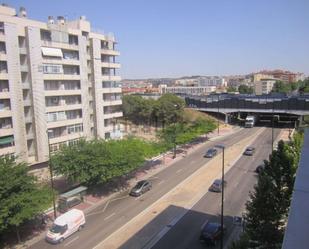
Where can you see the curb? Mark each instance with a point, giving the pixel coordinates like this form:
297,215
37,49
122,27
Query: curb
235,129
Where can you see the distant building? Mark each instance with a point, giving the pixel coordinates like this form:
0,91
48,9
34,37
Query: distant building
191,90
284,76
212,81
263,86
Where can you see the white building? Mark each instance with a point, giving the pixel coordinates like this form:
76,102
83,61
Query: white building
58,77
263,86
190,90
212,81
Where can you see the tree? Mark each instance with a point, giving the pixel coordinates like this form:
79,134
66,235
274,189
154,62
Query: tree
280,87
244,89
170,108
231,89
21,197
263,216
97,162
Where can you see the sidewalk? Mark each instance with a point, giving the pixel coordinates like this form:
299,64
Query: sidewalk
150,168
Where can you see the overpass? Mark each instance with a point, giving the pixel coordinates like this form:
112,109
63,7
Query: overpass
263,105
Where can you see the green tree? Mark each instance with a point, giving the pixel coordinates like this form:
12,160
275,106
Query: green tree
244,89
170,108
96,162
281,87
263,217
231,89
21,197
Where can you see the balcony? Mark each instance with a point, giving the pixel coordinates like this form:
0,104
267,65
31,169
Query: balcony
111,78
66,137
7,150
52,44
30,135
5,95
3,57
2,37
25,85
110,65
112,90
7,131
4,113
27,102
4,75
24,68
110,52
112,102
61,77
59,108
61,61
28,119
23,50
113,115
62,92
65,122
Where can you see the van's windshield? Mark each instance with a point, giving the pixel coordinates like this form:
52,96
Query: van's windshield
58,229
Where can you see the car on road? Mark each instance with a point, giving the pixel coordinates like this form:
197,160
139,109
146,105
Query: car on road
260,168
140,188
211,153
217,186
249,151
211,233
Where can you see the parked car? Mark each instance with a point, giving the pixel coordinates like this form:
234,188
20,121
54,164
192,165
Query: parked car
211,233
217,186
211,153
249,151
260,168
140,188
65,225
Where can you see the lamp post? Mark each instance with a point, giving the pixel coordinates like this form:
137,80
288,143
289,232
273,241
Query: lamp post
175,132
272,129
218,117
51,173
222,195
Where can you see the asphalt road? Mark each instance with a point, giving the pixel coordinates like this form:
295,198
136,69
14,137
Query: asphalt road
240,180
110,216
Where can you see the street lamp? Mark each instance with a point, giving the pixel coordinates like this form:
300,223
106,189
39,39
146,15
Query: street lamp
51,173
175,132
222,195
218,117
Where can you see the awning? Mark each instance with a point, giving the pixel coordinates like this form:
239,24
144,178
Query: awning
53,52
6,140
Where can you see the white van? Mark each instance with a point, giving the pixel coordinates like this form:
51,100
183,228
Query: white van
65,225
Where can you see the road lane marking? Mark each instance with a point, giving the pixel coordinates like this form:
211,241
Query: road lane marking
161,182
106,205
106,218
71,241
178,171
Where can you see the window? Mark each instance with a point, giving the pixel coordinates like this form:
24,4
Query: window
55,116
52,69
76,128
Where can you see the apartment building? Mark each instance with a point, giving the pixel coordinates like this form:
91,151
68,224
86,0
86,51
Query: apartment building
58,83
190,90
263,86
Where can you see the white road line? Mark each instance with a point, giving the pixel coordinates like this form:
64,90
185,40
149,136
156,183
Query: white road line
71,241
178,171
106,218
161,182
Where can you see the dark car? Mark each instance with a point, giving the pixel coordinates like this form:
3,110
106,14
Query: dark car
260,168
211,233
249,151
217,186
211,153
140,188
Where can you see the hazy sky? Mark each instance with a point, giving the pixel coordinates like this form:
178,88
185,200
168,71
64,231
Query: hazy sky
171,38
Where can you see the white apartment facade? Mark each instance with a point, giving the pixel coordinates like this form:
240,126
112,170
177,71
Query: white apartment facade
58,84
190,90
263,86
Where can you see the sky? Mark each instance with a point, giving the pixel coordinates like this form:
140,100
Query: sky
175,38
